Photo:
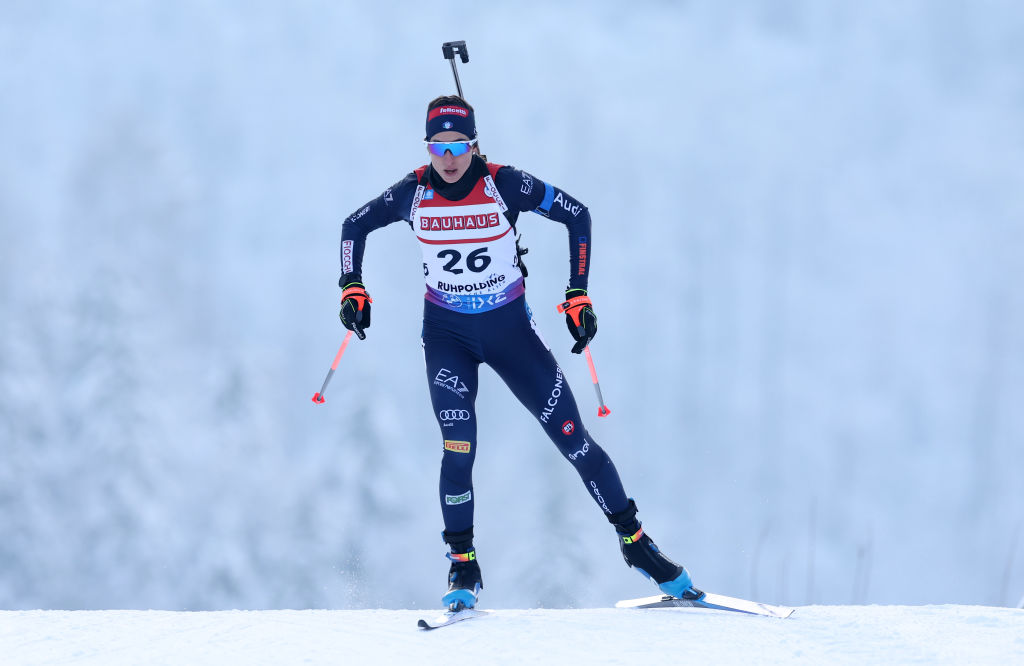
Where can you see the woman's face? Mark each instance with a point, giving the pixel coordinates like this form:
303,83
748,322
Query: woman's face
450,167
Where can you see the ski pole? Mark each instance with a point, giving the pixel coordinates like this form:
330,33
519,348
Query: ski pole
318,397
602,409
449,49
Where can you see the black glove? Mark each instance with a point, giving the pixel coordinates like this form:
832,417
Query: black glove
355,308
579,317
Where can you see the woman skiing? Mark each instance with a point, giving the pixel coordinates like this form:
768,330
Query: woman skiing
463,211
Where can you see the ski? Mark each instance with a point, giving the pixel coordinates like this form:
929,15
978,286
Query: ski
698,599
450,618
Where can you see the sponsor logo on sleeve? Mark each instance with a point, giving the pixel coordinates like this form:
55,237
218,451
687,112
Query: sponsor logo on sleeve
568,427
581,256
567,204
356,216
346,256
527,185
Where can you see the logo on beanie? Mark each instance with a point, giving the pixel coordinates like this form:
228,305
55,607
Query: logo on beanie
448,110
450,119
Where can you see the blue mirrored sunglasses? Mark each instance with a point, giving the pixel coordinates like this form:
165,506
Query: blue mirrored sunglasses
456,148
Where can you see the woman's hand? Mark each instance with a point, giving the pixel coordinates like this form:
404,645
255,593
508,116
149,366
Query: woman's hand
579,317
355,308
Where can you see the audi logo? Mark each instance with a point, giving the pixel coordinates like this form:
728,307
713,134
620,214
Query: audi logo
453,415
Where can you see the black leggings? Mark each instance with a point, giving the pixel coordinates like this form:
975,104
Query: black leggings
454,346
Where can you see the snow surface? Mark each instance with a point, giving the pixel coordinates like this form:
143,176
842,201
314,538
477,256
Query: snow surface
813,635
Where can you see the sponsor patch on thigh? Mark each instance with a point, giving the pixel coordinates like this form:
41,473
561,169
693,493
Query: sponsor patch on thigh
456,446
458,499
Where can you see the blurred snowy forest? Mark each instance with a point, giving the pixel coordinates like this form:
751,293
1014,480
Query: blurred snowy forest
808,240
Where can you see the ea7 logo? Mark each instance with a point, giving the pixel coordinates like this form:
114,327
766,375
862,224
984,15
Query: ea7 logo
456,446
446,380
527,185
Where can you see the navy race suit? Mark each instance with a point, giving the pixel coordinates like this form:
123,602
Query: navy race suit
475,312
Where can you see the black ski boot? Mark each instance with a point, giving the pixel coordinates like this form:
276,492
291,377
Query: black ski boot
464,579
640,552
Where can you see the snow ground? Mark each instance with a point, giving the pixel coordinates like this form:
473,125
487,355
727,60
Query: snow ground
813,635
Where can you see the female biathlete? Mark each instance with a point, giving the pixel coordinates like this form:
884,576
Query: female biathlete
463,211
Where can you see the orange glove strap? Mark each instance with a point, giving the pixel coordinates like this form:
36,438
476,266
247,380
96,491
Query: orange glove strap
358,294
574,306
